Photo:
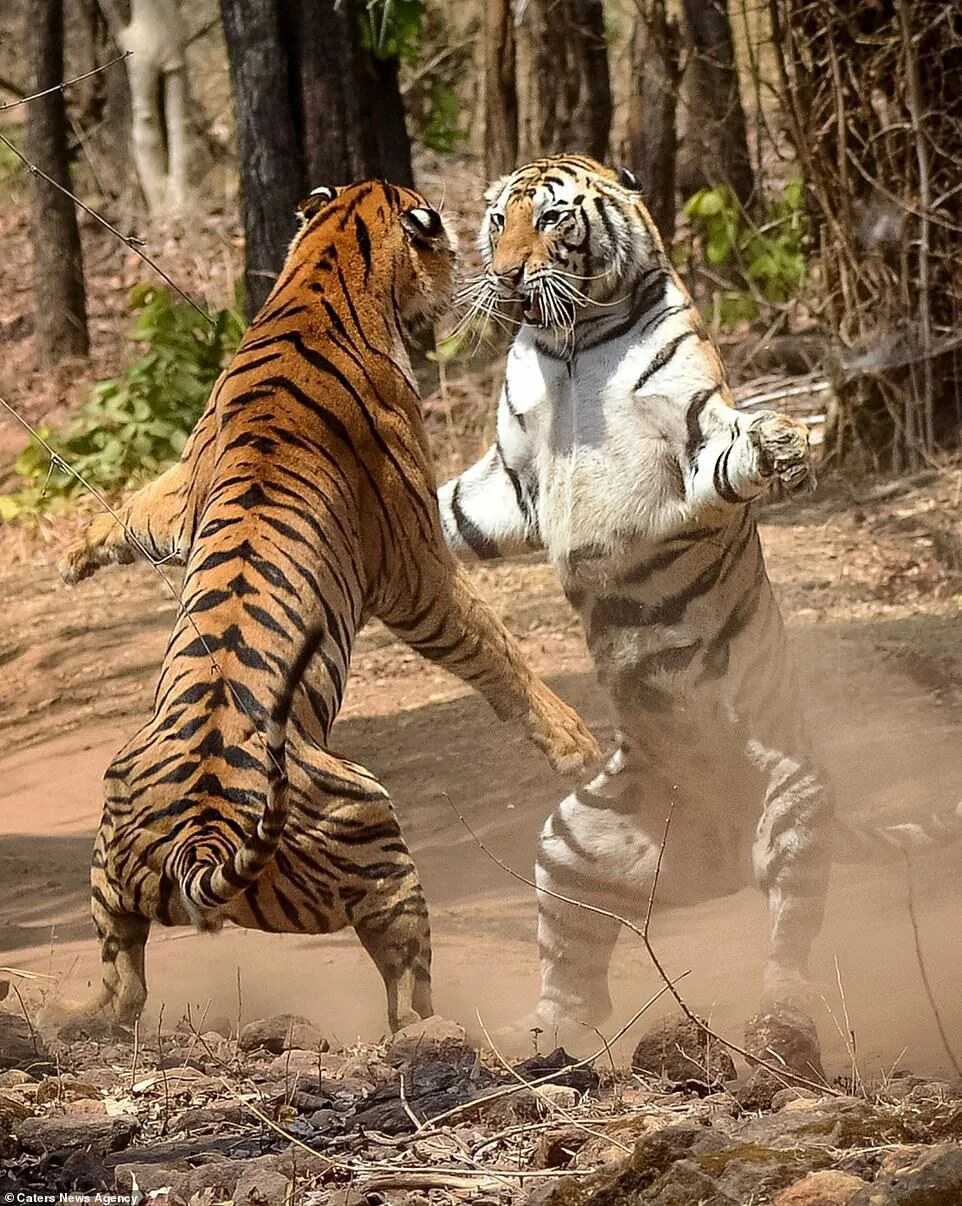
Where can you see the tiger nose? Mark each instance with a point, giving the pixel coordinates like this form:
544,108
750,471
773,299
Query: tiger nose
512,276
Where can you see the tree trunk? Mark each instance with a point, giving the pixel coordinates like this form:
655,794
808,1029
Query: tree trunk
58,259
566,100
161,132
500,90
310,110
385,115
271,162
652,140
716,140
103,103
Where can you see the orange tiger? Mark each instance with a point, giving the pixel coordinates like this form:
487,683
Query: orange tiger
304,504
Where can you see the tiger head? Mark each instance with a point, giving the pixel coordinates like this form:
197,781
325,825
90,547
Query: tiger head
560,235
389,238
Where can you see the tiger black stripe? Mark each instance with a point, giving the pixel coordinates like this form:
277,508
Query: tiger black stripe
302,506
646,512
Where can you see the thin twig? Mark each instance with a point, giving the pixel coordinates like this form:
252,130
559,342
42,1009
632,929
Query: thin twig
542,1096
923,971
418,1124
23,100
130,241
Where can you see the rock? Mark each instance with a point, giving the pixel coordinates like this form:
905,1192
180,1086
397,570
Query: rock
826,1188
510,1110
788,1096
902,1157
12,1109
93,1132
199,1119
13,1078
685,1183
557,1148
558,1068
261,1187
654,1168
434,1038
64,1088
283,1032
85,1105
678,1050
150,1178
430,1089
759,1091
325,1120
20,1045
826,1122
558,1096
786,1037
933,1179
296,1062
366,1067
81,1170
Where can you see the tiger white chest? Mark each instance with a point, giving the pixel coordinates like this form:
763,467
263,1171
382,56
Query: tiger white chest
607,458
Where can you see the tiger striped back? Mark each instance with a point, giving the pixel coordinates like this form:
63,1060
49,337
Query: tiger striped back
304,505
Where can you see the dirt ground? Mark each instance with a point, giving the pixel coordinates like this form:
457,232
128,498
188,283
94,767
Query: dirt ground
871,589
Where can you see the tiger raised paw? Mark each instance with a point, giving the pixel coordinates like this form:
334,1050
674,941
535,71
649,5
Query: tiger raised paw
103,543
783,449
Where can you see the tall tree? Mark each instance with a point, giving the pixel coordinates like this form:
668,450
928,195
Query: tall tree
61,322
271,161
312,106
500,89
563,63
716,139
652,140
156,37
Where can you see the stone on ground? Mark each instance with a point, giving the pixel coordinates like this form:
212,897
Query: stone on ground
677,1049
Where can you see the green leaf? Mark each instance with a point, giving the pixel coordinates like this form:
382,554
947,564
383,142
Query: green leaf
10,508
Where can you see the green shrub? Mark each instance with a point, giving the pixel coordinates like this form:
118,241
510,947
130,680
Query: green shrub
762,263
134,425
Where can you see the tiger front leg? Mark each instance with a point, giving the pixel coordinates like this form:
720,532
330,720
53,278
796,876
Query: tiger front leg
149,524
782,450
103,542
745,454
462,633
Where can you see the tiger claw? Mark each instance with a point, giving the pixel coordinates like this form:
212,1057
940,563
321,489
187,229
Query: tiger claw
783,448
560,732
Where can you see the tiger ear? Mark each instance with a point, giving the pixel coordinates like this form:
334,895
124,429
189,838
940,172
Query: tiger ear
311,206
422,223
493,191
628,180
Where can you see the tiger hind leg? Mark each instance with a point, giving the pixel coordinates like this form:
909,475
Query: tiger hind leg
593,850
791,859
123,937
384,901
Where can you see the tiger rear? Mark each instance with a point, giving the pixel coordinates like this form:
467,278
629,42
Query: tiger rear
304,505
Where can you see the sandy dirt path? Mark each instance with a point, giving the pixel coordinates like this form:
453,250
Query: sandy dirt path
873,614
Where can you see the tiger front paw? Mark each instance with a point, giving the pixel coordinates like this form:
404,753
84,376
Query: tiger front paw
100,544
783,449
559,731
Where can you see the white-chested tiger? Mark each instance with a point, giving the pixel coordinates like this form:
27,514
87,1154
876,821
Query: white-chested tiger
304,504
619,451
